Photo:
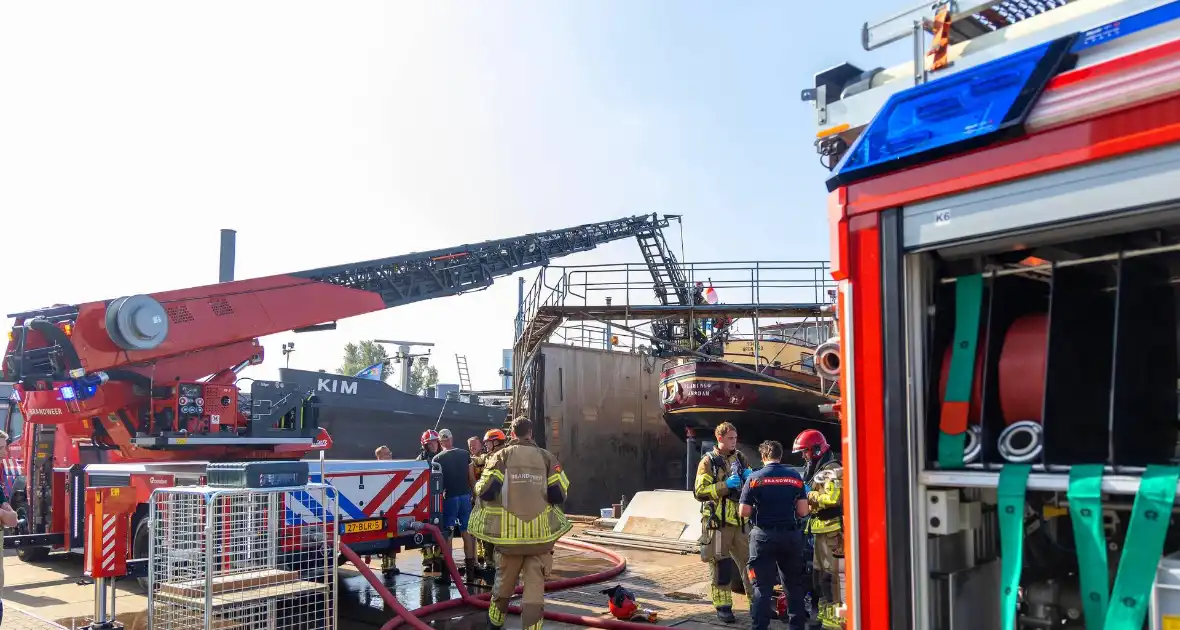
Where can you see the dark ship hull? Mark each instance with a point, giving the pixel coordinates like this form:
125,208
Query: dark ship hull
362,414
701,395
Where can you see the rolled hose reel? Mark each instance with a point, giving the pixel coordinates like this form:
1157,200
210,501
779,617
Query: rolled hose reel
1023,357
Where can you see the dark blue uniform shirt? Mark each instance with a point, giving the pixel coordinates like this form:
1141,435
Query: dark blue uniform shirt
772,491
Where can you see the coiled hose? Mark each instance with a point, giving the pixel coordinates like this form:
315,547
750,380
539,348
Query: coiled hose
414,618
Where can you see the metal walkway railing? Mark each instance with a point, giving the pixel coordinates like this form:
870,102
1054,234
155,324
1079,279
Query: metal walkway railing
576,304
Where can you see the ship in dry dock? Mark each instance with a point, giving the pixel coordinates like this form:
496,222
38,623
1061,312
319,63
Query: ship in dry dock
593,347
769,386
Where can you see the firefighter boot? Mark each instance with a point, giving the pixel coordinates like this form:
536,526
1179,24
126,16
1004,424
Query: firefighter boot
469,565
440,561
389,567
725,614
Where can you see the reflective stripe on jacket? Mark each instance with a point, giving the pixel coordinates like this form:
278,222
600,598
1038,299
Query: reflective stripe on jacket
521,490
719,504
827,499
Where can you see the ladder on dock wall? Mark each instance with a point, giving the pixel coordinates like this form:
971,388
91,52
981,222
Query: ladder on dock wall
464,373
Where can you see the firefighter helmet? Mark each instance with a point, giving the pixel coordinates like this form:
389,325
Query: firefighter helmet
428,436
495,434
810,442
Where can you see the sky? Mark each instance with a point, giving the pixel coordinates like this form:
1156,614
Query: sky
327,133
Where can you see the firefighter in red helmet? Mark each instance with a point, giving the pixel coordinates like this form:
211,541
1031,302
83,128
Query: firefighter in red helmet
429,442
824,476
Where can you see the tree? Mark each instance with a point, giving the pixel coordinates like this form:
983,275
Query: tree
422,375
360,356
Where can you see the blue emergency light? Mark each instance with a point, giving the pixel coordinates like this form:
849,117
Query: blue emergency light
971,108
83,388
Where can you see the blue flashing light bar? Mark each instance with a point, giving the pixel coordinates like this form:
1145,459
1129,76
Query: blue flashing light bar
972,108
67,392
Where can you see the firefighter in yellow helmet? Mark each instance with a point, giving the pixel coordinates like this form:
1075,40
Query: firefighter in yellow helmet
522,490
824,476
725,544
485,552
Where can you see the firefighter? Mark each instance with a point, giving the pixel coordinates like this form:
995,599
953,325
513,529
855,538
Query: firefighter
493,441
774,501
432,559
724,543
430,445
389,560
824,475
522,489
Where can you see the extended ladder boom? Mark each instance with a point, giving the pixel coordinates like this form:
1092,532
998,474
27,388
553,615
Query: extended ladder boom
225,319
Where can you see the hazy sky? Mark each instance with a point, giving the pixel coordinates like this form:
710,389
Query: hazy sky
326,133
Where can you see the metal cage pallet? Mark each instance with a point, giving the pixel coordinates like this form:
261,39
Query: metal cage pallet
236,558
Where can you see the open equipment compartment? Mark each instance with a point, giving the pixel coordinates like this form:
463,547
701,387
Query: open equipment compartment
1077,340
1077,363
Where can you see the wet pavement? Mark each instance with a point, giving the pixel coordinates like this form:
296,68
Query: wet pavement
672,585
414,588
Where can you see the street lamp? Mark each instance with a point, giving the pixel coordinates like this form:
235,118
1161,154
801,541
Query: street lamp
288,348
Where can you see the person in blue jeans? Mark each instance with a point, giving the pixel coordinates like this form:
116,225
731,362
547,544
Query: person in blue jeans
458,479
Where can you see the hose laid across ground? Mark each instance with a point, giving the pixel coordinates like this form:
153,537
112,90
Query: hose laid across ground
483,601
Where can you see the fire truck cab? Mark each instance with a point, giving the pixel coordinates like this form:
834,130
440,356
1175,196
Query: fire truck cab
1005,213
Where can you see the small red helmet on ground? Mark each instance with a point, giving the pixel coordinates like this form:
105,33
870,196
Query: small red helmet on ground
811,443
428,436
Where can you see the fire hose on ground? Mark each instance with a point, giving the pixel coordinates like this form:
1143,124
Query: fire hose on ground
483,601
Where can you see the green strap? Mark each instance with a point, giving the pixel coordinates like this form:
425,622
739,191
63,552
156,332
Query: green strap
968,309
1013,482
1085,510
1142,550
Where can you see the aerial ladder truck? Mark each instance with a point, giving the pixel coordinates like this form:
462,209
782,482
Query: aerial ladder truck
1005,216
141,391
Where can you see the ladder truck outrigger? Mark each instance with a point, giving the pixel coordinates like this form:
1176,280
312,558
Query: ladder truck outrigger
142,391
1005,214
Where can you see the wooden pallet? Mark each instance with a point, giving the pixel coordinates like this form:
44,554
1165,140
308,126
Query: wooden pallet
238,588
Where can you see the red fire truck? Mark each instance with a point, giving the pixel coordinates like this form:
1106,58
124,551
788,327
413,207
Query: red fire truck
141,391
1005,213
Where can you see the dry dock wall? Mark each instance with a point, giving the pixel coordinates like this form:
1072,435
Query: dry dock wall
602,417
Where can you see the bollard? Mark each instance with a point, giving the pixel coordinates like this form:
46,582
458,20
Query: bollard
108,516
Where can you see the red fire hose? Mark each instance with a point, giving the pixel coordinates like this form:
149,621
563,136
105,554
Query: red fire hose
482,601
